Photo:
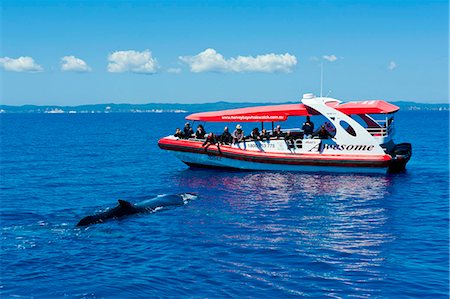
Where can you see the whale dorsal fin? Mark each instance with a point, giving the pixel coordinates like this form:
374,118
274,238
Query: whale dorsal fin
125,204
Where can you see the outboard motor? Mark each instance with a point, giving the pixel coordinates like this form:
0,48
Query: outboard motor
401,153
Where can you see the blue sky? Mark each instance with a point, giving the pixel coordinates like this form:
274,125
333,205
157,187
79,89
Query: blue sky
80,52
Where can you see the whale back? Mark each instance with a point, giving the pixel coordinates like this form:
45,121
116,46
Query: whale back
88,220
125,204
166,200
125,208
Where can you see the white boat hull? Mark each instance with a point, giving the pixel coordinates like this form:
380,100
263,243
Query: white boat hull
214,161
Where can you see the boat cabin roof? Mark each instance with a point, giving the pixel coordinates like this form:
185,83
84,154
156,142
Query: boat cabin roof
282,112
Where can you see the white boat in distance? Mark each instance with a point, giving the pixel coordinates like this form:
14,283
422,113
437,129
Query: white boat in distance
366,146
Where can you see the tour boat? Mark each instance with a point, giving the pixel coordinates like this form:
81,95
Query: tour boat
362,139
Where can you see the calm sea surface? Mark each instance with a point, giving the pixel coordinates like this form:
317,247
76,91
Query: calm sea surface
249,234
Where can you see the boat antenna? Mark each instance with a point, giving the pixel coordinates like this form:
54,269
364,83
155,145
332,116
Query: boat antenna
321,78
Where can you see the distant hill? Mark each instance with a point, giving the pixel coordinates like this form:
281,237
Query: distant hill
421,106
173,107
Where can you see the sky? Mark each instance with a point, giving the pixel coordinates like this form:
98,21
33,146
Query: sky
91,52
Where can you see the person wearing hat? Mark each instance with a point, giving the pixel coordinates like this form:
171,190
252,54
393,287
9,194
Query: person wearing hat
188,132
238,134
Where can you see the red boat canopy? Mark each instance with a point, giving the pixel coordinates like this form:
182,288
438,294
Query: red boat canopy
367,107
282,112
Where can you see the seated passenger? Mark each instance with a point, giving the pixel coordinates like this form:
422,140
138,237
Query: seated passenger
179,133
238,134
308,128
188,132
322,133
225,138
211,139
277,132
255,134
289,139
200,133
264,135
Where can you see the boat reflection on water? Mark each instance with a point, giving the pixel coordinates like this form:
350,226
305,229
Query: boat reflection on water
322,227
270,186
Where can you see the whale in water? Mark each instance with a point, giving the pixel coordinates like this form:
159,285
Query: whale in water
126,208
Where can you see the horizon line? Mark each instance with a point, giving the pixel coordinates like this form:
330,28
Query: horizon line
203,103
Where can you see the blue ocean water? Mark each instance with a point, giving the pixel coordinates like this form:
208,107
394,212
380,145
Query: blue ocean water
249,234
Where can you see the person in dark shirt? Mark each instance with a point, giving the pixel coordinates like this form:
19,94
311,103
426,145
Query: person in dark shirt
188,132
211,139
278,133
322,133
264,135
308,128
179,133
330,128
255,134
225,137
289,139
200,133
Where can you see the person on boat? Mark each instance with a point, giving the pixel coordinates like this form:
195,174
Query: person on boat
278,133
211,139
308,128
289,139
225,137
188,132
323,133
330,128
238,134
264,135
389,122
255,134
179,133
200,133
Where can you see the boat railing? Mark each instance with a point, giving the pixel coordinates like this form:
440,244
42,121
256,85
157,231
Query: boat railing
382,131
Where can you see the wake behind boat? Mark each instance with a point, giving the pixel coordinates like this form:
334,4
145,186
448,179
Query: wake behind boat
357,137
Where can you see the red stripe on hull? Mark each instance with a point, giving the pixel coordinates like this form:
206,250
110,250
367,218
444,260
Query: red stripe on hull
274,158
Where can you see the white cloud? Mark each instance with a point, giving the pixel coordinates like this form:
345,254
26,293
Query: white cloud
392,66
211,61
21,64
132,61
314,58
330,58
174,70
73,64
